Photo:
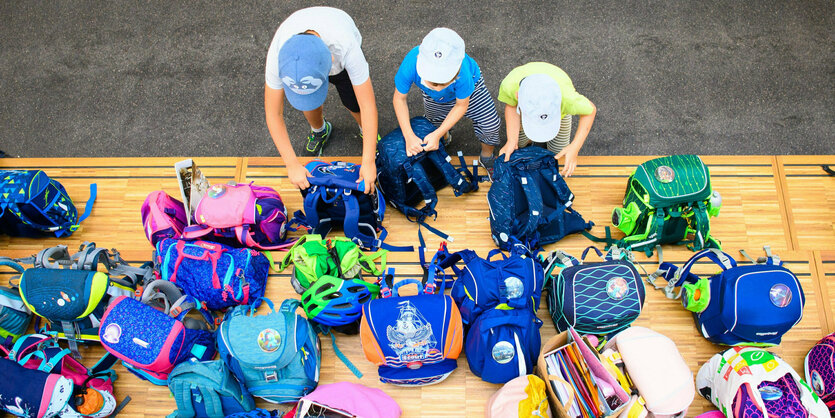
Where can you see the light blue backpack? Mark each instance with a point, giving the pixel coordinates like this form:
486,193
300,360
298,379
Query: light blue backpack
275,356
207,389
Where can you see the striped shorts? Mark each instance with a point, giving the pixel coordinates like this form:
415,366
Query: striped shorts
482,111
559,142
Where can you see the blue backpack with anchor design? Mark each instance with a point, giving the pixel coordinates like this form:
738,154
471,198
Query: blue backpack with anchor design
529,200
33,205
407,181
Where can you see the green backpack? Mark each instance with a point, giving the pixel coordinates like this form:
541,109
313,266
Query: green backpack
313,257
668,201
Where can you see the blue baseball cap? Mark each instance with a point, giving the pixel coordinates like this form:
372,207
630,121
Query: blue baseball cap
304,63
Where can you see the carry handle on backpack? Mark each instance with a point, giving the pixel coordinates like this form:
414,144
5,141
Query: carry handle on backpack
207,255
675,276
337,182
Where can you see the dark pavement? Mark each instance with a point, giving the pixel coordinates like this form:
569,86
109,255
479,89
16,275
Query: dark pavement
185,78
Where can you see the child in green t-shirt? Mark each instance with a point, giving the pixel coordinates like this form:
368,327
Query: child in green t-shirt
540,99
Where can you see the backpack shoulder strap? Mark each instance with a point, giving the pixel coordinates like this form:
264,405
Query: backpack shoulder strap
418,175
533,195
182,395
675,276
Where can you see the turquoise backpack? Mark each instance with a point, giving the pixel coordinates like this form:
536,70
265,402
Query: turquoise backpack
207,389
275,356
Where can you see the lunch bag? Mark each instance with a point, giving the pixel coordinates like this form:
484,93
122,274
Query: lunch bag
745,304
276,356
414,340
216,274
594,298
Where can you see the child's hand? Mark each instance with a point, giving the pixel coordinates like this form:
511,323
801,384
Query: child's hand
508,149
414,146
368,173
298,176
432,140
570,153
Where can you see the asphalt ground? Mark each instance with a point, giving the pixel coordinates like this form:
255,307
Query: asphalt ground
185,78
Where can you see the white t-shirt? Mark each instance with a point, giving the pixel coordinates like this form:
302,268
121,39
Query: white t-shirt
336,29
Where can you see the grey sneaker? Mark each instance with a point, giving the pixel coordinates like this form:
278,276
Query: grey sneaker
316,141
447,139
487,164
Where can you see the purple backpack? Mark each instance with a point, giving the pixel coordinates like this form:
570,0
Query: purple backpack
219,275
163,217
244,214
154,334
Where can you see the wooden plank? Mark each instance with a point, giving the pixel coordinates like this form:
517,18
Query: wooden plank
826,260
810,197
785,206
751,216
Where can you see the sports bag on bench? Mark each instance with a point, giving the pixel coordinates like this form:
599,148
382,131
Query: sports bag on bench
668,200
415,340
594,298
244,215
216,274
33,205
529,200
155,333
406,182
749,304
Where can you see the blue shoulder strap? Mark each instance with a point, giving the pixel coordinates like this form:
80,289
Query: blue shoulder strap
675,276
534,197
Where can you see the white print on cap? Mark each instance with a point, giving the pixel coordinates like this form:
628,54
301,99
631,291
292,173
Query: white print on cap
307,85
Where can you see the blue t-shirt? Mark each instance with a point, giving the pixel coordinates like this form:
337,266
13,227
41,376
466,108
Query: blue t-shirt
461,88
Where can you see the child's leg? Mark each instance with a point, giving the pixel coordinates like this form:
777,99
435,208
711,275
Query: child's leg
563,137
486,122
315,118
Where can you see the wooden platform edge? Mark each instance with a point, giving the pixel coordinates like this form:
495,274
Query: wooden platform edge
785,204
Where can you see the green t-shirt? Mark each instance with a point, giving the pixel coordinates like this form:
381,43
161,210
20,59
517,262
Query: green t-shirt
573,103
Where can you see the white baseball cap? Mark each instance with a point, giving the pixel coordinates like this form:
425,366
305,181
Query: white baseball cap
440,55
540,103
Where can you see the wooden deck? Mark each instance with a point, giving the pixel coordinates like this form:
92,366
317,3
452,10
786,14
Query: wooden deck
785,202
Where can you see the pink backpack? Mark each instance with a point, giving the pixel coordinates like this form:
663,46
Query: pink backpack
163,217
346,399
244,214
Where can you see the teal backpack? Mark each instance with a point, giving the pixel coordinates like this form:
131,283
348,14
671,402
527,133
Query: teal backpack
275,356
207,389
669,200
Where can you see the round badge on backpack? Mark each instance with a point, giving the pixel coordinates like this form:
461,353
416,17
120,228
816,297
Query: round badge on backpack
217,191
617,288
513,287
269,340
817,383
770,393
503,352
780,295
665,174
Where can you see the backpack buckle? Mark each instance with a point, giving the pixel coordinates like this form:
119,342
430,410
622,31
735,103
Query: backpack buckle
138,292
175,311
385,292
429,289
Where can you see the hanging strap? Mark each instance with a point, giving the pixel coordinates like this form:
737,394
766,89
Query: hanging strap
182,395
675,276
327,331
535,206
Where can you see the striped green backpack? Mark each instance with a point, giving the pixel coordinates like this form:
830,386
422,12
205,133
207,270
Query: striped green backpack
668,200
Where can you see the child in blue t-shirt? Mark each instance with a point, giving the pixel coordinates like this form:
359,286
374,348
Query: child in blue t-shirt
452,87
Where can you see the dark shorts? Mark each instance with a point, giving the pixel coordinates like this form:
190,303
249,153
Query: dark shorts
346,90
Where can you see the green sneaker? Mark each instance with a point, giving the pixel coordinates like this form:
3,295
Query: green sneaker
316,141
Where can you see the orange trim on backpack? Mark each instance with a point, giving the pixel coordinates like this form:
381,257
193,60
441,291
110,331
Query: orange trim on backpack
455,332
370,346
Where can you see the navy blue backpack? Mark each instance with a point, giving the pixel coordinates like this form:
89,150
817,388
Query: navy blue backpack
742,304
33,205
335,198
407,181
529,200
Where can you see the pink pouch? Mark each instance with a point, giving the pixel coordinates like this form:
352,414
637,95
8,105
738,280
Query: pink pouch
163,217
350,399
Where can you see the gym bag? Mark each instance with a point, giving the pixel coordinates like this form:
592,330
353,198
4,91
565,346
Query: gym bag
346,400
163,217
216,274
241,215
594,298
819,365
33,205
750,304
275,356
529,200
668,200
512,282
93,388
406,182
659,379
335,199
73,299
15,316
155,333
207,389
414,340
313,257
749,382
33,393
522,397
